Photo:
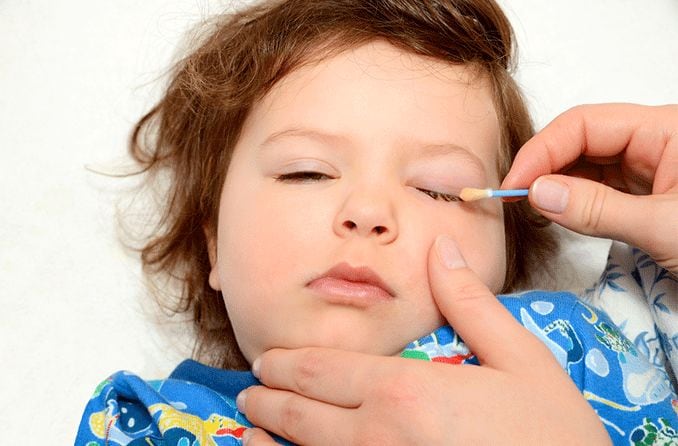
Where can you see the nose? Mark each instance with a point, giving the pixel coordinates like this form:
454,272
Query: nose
368,215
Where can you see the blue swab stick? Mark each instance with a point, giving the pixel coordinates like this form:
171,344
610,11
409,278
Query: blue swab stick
472,194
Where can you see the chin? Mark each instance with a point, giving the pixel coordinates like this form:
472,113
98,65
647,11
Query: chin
381,345
358,336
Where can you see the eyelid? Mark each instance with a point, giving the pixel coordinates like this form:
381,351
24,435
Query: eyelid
447,185
307,165
458,155
448,175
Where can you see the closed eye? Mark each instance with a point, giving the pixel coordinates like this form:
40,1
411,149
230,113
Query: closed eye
302,177
440,196
310,176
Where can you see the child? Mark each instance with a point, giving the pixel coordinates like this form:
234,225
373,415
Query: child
349,126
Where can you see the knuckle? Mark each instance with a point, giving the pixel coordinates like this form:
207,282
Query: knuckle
577,110
307,369
576,114
401,391
399,395
291,419
593,209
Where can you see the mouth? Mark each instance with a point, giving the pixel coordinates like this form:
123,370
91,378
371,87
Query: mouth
347,285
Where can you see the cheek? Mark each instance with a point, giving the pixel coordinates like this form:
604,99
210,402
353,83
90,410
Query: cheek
482,242
270,231
492,266
260,247
254,240
264,237
488,260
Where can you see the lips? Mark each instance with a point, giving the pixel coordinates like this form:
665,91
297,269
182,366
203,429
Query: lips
345,284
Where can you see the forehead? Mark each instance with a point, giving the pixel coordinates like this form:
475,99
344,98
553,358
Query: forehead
379,94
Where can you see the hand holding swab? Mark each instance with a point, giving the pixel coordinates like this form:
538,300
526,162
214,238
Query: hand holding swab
472,194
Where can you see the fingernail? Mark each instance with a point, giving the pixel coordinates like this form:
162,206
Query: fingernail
246,435
550,195
240,401
255,367
449,253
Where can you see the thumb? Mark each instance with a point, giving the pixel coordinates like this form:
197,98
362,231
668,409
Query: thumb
474,311
592,208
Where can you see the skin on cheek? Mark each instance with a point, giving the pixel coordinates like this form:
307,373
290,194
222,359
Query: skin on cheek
266,256
483,242
239,249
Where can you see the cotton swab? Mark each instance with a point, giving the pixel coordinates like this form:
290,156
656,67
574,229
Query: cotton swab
472,194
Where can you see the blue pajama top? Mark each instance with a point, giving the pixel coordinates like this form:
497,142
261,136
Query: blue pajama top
195,405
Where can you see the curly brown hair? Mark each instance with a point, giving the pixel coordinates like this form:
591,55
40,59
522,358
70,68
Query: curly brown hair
186,140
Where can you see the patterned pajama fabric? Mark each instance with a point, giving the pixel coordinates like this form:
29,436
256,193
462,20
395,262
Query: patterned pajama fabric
642,299
622,364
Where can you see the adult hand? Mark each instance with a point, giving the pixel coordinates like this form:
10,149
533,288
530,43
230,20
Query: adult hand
618,166
518,395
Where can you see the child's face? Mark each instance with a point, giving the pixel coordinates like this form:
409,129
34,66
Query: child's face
379,124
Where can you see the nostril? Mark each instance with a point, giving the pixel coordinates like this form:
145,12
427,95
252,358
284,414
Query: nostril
379,229
349,224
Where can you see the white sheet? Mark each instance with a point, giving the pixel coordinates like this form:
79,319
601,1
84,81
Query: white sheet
75,75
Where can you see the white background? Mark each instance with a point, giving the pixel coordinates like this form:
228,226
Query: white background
76,74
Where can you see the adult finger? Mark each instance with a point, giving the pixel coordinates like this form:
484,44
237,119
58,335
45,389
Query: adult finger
257,437
294,417
588,207
645,135
334,376
475,313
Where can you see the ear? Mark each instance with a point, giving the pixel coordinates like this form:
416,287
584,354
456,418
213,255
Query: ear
211,239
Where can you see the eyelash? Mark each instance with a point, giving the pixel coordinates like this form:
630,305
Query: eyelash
304,177
301,177
445,197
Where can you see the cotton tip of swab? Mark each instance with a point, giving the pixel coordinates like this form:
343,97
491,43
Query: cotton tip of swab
473,194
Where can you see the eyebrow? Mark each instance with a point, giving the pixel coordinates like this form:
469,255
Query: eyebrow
426,149
305,133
